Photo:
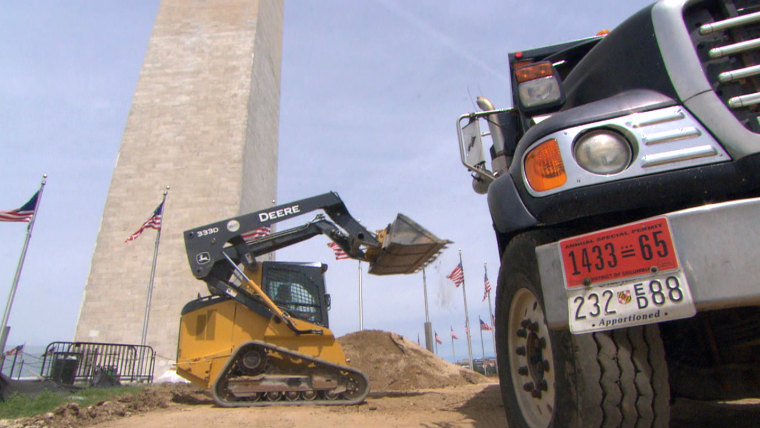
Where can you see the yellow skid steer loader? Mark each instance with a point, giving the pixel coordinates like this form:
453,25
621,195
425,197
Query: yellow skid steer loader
262,336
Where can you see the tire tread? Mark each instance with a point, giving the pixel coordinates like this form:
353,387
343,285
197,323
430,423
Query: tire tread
607,357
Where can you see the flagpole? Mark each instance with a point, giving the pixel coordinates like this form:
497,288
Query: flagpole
453,355
428,326
490,312
482,346
361,301
466,314
9,303
152,273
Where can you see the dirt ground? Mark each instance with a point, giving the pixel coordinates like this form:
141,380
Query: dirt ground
462,406
410,387
477,405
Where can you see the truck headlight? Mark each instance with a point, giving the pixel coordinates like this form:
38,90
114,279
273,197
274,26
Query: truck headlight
603,152
538,87
539,92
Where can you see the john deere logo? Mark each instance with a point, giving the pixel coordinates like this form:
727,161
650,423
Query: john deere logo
202,258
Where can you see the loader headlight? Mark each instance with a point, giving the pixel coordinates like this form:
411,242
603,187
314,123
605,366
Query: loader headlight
603,151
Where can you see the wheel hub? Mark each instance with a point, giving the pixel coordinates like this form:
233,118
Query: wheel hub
530,361
534,355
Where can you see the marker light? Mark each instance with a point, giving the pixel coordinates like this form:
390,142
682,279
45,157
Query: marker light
543,167
533,71
602,152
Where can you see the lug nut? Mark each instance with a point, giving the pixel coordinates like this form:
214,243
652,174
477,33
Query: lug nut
522,333
529,386
525,323
520,350
523,371
543,386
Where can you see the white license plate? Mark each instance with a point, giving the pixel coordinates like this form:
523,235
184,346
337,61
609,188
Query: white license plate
657,298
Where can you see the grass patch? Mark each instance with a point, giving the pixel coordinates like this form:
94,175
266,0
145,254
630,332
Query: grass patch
26,405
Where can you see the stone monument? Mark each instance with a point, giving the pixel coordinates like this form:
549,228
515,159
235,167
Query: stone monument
203,120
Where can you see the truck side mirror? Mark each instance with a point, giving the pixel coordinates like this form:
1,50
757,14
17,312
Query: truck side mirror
502,126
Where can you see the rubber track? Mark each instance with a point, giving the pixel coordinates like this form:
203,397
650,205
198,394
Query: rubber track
337,367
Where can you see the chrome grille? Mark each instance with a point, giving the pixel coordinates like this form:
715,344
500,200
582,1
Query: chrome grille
726,35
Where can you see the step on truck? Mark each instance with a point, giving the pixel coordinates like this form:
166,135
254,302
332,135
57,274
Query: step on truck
624,190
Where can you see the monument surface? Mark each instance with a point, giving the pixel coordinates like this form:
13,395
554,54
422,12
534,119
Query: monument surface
203,120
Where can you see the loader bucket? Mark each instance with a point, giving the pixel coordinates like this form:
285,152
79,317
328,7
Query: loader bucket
406,248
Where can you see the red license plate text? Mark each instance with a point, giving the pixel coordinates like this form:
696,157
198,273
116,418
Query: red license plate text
619,253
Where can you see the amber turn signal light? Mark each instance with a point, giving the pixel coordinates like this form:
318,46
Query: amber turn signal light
534,71
544,168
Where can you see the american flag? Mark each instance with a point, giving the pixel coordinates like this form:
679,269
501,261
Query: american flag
487,285
154,222
23,214
457,275
256,234
438,339
339,253
484,326
453,335
17,350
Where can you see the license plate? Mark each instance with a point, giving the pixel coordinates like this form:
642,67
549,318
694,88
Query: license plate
642,301
619,253
624,276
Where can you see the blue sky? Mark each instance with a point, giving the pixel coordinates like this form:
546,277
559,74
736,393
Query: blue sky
371,92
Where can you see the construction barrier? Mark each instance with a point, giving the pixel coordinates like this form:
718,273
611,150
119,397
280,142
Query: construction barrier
98,364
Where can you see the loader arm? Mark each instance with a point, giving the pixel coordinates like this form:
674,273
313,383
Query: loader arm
216,251
205,244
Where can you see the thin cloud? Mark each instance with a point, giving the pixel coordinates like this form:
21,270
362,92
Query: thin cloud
436,35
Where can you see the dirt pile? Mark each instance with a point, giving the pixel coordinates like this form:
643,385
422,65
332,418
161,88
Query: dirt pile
394,363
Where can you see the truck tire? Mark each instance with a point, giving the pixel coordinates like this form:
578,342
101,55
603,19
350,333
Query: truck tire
552,378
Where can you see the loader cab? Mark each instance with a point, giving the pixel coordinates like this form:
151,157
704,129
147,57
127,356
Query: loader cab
298,289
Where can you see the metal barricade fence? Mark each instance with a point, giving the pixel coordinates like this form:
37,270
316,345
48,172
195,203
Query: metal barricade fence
83,362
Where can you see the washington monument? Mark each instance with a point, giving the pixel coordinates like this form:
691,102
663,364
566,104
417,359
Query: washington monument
204,121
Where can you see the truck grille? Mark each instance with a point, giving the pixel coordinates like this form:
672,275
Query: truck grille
726,35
